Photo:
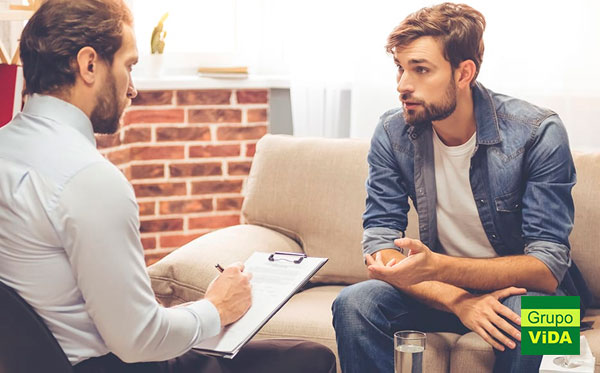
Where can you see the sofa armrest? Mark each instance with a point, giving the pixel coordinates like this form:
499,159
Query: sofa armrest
184,274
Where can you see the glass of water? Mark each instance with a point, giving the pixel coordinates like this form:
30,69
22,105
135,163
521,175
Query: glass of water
409,346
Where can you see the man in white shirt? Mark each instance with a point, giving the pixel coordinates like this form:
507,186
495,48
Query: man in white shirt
69,227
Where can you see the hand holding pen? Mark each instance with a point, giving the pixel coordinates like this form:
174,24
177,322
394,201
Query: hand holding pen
230,292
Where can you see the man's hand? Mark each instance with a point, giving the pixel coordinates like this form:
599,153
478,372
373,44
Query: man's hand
231,293
419,265
483,315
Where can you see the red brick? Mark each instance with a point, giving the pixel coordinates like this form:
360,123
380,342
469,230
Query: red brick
250,150
215,116
159,189
183,134
177,240
257,115
213,222
137,135
154,116
195,169
209,151
147,171
186,206
153,256
214,187
108,141
238,168
157,152
148,243
147,98
119,156
204,97
233,203
147,208
253,96
241,133
161,225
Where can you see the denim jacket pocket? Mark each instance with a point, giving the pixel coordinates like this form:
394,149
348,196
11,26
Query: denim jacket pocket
509,202
509,219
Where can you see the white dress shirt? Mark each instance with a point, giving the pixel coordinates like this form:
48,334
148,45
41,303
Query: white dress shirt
70,244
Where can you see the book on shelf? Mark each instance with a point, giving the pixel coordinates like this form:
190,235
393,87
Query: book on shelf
224,72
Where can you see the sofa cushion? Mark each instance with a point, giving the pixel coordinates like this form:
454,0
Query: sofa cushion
585,238
471,353
184,274
312,190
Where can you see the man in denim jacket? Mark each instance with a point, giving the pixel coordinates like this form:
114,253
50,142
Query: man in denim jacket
491,179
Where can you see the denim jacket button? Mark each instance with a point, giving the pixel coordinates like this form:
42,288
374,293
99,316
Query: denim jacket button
413,136
493,236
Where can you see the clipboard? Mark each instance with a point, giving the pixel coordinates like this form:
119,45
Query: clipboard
276,277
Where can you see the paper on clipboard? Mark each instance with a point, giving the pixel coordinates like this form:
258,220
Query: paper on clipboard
275,279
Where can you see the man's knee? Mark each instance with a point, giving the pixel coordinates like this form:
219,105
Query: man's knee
359,299
514,301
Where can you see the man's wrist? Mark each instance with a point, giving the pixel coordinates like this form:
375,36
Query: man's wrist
439,267
456,301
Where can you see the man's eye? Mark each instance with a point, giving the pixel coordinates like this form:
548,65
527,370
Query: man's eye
422,70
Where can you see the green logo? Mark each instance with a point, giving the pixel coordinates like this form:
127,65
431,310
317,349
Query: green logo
550,325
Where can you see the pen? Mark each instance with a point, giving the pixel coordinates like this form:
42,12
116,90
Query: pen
218,266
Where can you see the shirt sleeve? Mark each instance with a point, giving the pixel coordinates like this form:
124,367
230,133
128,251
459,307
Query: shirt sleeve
386,213
96,217
548,208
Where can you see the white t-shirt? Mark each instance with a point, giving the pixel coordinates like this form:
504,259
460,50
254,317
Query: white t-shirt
459,227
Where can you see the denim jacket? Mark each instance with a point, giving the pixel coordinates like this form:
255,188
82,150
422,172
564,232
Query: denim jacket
521,176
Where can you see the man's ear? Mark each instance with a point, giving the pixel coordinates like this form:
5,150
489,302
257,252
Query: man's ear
465,73
88,63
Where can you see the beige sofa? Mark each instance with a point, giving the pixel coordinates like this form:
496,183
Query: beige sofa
307,195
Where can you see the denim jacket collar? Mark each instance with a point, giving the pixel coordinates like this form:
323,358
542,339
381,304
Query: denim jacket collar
488,132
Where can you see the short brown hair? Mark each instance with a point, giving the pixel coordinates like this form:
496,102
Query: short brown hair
457,26
59,29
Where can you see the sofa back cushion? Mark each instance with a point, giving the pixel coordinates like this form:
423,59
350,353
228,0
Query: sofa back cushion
585,238
313,190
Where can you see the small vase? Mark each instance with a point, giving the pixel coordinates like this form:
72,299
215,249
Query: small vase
155,67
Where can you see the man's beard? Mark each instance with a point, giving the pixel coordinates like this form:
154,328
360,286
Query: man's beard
107,113
433,111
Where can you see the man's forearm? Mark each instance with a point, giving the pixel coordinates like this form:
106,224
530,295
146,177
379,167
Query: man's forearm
496,273
435,294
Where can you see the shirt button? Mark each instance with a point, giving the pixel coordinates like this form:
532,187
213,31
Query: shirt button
481,201
413,136
493,236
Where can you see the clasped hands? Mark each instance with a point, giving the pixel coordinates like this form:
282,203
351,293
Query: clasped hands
420,264
481,313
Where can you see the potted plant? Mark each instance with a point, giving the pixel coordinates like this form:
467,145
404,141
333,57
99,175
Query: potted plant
157,47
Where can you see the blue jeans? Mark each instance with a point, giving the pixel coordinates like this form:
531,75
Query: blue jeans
366,315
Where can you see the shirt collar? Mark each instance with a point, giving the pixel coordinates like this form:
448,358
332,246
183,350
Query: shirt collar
61,112
488,132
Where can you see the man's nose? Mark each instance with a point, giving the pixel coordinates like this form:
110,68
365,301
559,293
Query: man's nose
404,83
131,91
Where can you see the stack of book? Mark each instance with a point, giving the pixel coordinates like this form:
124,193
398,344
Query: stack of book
240,72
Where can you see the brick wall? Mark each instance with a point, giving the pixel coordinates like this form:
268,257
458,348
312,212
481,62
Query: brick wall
187,154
